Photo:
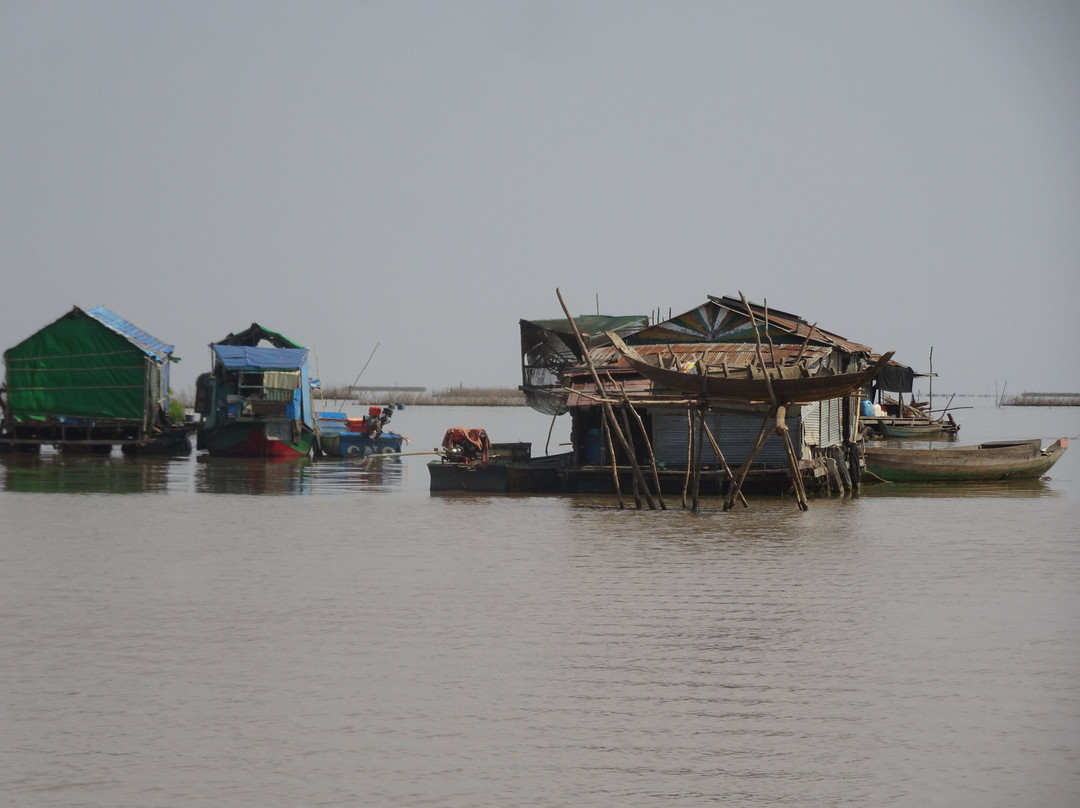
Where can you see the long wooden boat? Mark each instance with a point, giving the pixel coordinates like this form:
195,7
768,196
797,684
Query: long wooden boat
789,384
1000,460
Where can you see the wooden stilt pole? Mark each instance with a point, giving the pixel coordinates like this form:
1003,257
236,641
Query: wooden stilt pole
614,467
780,408
689,453
626,430
648,446
697,458
793,461
613,423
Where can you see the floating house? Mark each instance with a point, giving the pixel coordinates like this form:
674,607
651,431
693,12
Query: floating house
256,401
89,381
667,439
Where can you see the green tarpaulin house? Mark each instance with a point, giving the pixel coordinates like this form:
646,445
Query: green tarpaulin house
88,365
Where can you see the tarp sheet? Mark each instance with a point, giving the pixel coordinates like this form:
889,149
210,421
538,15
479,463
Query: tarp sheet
243,357
895,378
79,367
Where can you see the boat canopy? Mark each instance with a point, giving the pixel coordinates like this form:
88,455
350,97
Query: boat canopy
244,357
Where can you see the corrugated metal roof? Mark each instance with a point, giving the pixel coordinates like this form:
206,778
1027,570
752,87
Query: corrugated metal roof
792,323
244,357
150,345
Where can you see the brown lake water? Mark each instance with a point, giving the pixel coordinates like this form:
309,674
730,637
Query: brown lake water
202,633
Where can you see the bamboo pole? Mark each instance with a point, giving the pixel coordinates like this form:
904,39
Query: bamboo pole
781,412
697,459
648,446
768,336
806,341
757,343
626,430
638,476
361,373
614,465
796,475
689,454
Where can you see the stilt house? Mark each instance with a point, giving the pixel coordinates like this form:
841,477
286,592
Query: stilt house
720,334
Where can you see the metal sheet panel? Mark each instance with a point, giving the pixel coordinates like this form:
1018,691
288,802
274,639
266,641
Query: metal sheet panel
823,423
736,433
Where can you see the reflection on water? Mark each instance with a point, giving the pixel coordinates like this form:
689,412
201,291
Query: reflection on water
63,473
219,475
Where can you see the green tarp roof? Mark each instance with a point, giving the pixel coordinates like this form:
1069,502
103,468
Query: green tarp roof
82,366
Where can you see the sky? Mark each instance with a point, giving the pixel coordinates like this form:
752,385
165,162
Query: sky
413,178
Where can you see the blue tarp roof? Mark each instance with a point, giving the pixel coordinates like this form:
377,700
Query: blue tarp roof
148,344
244,357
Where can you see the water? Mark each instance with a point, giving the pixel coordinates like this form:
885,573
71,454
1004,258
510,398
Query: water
234,634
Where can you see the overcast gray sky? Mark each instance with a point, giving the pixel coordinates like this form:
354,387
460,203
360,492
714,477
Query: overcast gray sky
422,175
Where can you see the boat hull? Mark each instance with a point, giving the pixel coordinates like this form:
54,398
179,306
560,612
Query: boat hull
536,475
267,440
1019,460
359,444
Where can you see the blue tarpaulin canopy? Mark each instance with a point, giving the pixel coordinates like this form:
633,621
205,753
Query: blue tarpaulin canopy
243,357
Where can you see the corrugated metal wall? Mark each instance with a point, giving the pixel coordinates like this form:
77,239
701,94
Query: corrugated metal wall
736,434
823,423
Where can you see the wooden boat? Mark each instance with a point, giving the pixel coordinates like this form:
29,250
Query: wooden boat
470,462
1000,460
789,384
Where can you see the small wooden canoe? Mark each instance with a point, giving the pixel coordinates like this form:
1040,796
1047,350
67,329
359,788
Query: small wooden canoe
1001,460
789,384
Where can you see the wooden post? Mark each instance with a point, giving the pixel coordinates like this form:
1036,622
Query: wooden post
757,342
626,429
698,443
648,446
780,408
768,336
689,452
614,425
806,341
793,461
614,467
